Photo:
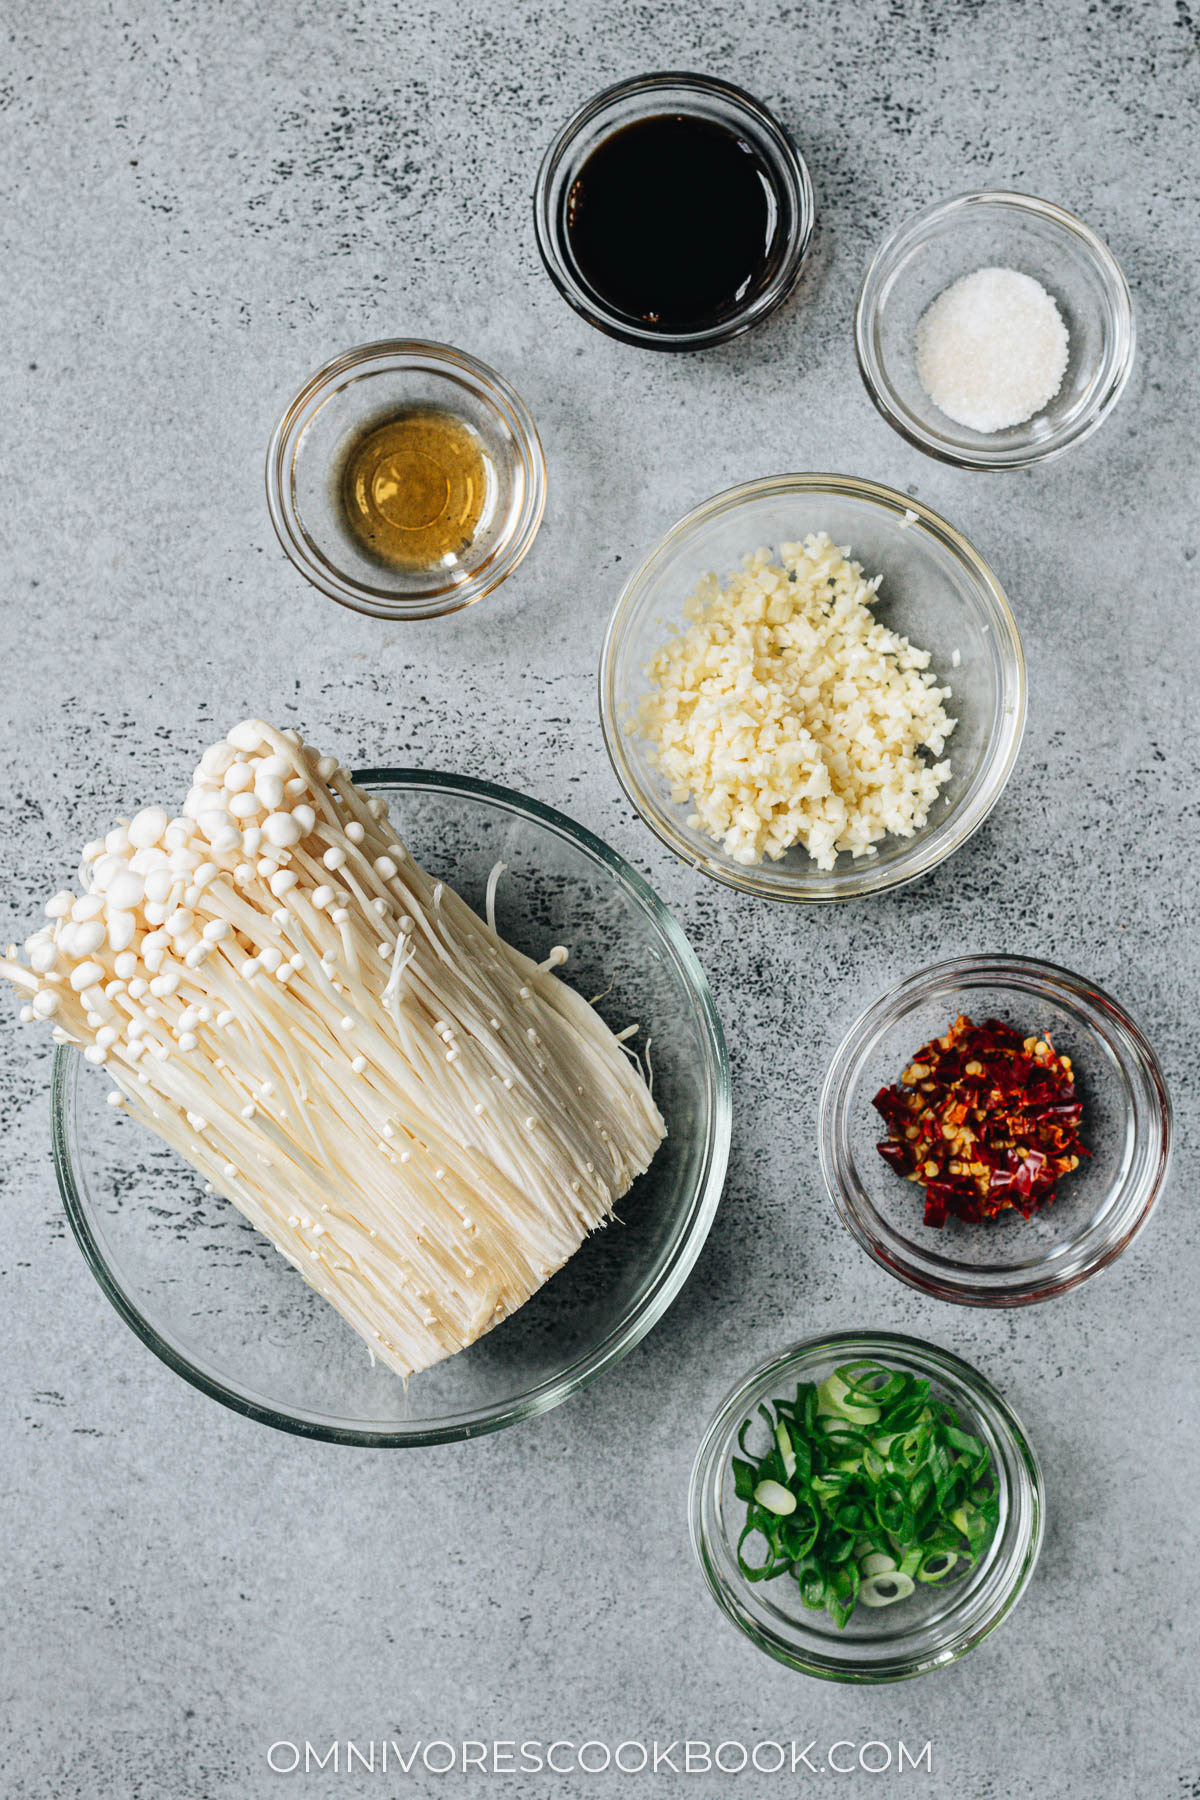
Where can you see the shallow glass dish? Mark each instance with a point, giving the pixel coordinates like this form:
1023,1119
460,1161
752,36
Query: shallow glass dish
989,230
211,1297
936,590
1099,1208
698,96
363,388
936,1624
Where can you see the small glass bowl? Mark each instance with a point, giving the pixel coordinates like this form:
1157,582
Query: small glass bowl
936,590
209,1295
935,1625
995,229
365,387
648,96
1099,1208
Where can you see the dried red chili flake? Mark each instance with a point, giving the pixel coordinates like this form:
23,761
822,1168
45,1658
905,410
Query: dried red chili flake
983,1119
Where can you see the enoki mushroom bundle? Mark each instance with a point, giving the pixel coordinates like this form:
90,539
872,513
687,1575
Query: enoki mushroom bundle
422,1120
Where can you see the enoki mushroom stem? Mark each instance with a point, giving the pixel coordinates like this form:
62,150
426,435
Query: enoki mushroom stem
425,1122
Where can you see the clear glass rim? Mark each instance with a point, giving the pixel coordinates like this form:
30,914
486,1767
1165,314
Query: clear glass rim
788,166
872,297
1023,1478
440,598
1072,1263
623,1338
767,881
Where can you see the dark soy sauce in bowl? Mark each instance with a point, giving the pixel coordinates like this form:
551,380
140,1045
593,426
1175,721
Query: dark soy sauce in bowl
674,221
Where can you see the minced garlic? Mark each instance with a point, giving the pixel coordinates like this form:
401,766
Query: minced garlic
787,714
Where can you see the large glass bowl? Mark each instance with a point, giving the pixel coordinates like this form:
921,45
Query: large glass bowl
935,1625
929,252
1008,1261
211,1297
936,590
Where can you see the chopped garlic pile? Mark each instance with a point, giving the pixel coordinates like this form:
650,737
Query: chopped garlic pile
422,1120
787,714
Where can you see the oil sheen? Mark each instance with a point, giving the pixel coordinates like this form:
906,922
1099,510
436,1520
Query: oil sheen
413,488
672,220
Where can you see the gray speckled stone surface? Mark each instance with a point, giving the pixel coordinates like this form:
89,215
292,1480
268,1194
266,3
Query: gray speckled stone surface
202,202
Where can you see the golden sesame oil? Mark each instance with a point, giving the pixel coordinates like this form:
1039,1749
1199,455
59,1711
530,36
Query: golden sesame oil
413,488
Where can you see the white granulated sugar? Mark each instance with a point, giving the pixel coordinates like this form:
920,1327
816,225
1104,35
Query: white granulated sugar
787,714
992,349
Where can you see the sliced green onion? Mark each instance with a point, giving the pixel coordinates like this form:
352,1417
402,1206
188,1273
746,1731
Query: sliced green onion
869,1385
775,1497
963,1442
785,1449
842,1589
894,1511
836,1397
885,1590
873,1464
799,1533
839,1549
743,1478
877,1563
812,1592
766,1571
936,1565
